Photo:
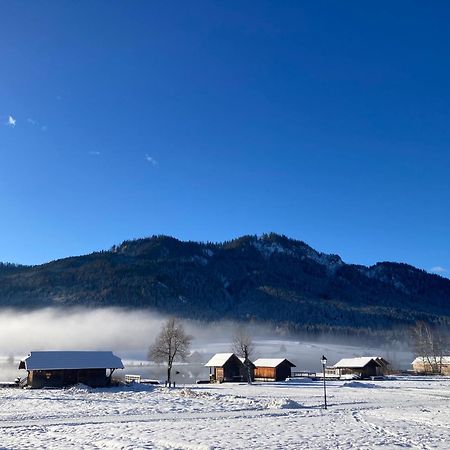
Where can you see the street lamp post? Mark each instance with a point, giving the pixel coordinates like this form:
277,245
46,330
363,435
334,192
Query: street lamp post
324,364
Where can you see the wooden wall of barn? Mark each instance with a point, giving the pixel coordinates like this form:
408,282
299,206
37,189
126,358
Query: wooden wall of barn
265,373
279,373
38,379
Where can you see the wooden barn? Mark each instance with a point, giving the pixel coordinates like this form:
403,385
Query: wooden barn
430,364
225,367
56,369
272,369
385,365
363,367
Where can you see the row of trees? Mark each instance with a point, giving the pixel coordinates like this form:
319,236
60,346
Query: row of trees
431,344
173,344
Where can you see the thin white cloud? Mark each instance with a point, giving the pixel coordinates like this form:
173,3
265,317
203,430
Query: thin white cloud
151,160
438,269
35,123
11,122
94,153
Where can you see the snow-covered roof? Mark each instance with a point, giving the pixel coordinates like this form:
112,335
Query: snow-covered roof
242,360
420,360
54,360
355,363
219,359
270,362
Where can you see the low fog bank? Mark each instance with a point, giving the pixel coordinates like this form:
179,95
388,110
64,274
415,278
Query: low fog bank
76,329
130,332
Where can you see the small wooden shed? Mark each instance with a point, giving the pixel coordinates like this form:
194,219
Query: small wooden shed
364,367
225,367
272,369
56,369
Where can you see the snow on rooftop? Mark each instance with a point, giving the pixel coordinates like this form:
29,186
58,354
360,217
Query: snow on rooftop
242,360
270,362
219,359
355,363
55,360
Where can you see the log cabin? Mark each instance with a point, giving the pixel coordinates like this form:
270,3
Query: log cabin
272,369
57,369
363,367
224,367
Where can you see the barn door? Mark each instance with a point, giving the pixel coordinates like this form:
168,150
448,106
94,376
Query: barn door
219,373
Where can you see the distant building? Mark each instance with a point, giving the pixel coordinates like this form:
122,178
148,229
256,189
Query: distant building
225,367
65,368
431,364
364,367
272,369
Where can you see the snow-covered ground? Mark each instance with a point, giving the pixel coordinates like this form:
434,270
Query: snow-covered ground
402,412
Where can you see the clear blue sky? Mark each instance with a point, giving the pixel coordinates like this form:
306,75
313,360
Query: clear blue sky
325,121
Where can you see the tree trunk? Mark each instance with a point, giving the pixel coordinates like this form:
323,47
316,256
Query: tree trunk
169,368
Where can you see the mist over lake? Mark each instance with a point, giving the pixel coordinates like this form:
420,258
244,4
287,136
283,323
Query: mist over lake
129,333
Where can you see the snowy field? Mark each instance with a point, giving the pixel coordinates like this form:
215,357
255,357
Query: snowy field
398,413
402,412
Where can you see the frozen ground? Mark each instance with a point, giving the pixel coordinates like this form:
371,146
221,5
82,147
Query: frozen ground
405,412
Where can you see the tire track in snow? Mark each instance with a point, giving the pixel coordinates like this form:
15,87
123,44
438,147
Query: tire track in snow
145,418
385,432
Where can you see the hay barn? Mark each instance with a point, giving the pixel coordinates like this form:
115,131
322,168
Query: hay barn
56,369
272,369
224,367
364,367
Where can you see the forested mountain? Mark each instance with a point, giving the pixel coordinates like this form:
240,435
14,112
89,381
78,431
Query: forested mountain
270,278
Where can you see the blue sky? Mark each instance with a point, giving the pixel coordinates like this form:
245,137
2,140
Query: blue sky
325,121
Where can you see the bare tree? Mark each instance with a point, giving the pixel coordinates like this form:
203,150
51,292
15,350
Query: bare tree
429,344
171,344
243,347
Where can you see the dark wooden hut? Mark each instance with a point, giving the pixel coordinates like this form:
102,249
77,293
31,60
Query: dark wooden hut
272,369
228,367
56,369
247,370
385,366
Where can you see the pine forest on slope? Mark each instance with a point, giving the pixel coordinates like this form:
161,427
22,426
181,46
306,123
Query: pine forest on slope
271,279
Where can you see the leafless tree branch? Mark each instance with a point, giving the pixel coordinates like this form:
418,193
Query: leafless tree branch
243,347
170,345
